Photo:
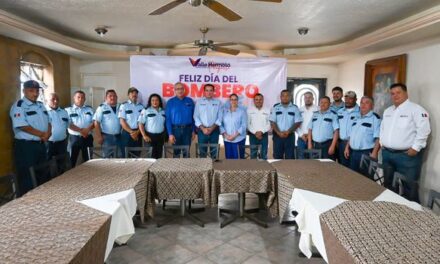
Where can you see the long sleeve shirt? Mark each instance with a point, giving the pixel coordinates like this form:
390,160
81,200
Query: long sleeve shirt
179,112
234,121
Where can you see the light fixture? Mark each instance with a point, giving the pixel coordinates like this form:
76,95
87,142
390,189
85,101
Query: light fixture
195,2
101,31
303,31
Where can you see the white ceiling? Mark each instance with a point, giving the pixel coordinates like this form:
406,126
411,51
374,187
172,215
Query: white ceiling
264,26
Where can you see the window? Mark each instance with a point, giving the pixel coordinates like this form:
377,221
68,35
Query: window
32,71
299,86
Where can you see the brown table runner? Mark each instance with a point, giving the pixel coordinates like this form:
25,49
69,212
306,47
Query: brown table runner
380,232
178,179
245,176
329,178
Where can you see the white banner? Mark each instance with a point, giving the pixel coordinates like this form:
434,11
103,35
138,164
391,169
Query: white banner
242,76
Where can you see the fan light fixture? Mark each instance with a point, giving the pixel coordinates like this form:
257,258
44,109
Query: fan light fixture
303,31
101,31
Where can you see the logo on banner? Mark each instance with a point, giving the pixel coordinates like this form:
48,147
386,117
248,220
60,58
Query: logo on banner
211,65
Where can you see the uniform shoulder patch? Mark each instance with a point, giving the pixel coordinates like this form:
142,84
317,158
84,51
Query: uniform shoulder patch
90,106
376,115
334,112
101,105
276,104
19,103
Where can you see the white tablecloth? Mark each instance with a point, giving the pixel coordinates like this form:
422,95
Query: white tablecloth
122,207
310,205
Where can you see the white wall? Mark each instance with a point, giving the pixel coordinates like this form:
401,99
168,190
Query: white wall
329,71
423,81
107,74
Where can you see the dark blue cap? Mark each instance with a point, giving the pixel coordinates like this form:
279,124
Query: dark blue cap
31,84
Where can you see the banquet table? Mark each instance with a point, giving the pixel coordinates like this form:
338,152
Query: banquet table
380,232
184,179
312,187
69,219
245,176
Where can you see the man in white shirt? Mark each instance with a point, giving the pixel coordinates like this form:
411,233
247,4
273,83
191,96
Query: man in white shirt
403,134
258,126
307,113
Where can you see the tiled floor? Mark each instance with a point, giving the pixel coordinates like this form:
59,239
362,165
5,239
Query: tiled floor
181,241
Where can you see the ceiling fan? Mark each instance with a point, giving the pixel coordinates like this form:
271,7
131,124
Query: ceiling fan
205,44
211,4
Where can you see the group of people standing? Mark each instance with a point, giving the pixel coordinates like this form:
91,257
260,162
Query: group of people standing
341,130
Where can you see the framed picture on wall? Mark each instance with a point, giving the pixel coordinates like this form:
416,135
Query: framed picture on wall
379,75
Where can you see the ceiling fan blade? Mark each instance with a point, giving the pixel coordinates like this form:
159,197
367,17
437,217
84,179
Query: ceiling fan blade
225,44
167,7
225,50
203,51
222,10
272,1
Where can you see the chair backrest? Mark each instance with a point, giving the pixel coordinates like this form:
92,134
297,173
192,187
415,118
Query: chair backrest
104,152
376,171
43,172
138,152
207,151
176,151
433,198
250,151
10,188
312,153
62,162
398,184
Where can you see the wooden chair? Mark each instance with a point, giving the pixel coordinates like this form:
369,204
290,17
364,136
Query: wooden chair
312,154
43,172
176,151
250,151
62,163
139,152
10,188
400,181
202,151
104,152
433,199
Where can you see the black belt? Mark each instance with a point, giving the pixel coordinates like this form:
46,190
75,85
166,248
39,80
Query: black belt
57,141
323,143
343,140
31,141
181,126
395,150
110,134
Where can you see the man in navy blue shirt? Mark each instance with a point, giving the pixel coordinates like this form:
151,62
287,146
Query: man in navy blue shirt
179,118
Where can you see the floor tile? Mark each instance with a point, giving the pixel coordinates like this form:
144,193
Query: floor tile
228,254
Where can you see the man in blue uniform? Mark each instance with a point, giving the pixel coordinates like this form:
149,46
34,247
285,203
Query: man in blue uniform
32,128
129,113
80,127
207,118
57,144
107,126
363,136
179,119
346,115
337,104
324,129
285,118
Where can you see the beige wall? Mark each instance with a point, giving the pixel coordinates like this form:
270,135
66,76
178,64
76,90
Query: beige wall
423,80
10,53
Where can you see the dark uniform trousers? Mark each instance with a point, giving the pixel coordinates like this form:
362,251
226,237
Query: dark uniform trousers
27,153
157,141
284,148
127,141
340,152
355,160
324,147
55,148
398,160
77,144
